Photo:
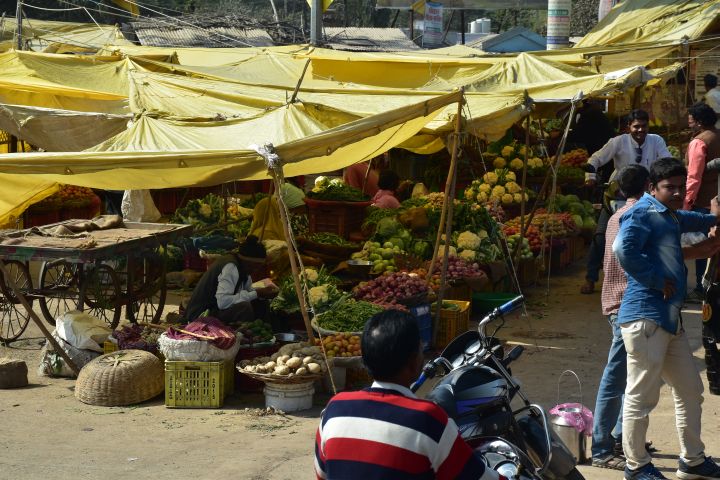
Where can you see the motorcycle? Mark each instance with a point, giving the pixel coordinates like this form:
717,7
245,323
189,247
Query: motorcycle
477,389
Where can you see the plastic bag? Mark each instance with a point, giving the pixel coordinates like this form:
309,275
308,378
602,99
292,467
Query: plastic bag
53,365
195,350
575,415
138,206
691,238
82,331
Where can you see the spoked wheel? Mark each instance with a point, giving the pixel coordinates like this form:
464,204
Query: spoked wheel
149,298
14,318
101,292
59,288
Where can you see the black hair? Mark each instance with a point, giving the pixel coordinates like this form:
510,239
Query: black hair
710,80
703,114
389,341
388,180
633,179
665,168
638,114
251,247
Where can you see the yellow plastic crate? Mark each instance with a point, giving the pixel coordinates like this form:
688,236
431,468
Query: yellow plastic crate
195,384
452,323
109,347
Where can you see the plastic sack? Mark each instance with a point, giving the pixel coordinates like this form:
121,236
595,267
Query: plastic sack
53,365
195,350
575,415
82,331
138,206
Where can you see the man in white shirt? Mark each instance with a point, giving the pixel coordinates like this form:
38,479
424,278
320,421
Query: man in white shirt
226,292
638,147
712,94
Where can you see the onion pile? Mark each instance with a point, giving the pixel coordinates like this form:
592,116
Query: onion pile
459,269
391,288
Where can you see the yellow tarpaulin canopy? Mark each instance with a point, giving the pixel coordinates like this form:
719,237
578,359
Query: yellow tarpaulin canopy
647,21
320,152
46,33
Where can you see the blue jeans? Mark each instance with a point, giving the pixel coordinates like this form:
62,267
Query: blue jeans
608,406
700,263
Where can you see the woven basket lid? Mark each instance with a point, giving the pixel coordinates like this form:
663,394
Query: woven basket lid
120,378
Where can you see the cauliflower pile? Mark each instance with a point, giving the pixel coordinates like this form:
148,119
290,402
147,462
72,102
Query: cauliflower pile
497,187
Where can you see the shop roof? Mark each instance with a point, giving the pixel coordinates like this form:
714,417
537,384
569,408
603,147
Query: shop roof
368,39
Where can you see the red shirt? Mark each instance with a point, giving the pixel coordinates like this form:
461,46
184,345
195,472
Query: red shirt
697,152
354,176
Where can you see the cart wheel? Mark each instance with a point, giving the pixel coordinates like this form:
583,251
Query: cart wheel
59,287
14,318
101,293
148,298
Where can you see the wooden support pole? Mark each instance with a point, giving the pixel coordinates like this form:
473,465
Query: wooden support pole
448,186
40,324
292,254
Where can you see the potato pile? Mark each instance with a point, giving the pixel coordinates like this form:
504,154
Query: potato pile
291,360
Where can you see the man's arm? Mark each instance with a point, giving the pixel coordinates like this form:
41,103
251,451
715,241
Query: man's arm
455,459
704,249
662,149
699,222
602,156
697,152
629,247
227,283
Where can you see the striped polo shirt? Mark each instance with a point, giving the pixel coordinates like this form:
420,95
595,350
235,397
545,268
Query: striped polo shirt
385,432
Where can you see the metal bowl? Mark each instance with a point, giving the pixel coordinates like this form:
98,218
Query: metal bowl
287,337
359,267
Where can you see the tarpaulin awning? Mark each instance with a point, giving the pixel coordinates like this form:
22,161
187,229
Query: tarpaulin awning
647,21
129,169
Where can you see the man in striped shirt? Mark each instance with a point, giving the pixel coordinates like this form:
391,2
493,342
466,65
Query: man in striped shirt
385,431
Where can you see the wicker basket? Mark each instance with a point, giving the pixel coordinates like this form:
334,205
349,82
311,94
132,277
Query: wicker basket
120,378
272,378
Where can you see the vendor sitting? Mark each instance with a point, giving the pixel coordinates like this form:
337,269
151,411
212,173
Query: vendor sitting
267,224
385,197
226,291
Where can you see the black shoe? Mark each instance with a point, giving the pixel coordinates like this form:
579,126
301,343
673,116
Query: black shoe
707,469
647,472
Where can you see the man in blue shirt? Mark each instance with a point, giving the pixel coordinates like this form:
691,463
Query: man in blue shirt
648,249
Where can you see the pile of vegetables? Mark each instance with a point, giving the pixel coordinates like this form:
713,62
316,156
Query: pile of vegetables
207,329
574,158
524,252
582,212
513,156
69,196
324,297
391,288
137,337
476,246
498,186
458,269
381,255
341,345
200,213
326,238
348,316
239,218
255,332
335,190
533,236
291,360
287,300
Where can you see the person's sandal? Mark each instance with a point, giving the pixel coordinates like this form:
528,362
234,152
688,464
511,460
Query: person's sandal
612,462
588,288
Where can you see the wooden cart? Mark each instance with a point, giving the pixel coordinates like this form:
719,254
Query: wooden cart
100,272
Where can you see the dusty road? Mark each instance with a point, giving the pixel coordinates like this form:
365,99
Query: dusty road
46,433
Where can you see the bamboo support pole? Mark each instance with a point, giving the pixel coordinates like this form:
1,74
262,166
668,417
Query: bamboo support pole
40,324
292,254
448,186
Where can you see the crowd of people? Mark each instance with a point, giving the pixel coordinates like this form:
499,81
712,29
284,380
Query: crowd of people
667,214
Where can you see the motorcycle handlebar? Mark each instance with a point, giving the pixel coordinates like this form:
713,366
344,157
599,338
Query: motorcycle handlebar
511,305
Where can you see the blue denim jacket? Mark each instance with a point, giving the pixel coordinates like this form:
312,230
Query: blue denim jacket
648,248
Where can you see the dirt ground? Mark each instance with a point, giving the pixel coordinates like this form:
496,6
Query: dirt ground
46,433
